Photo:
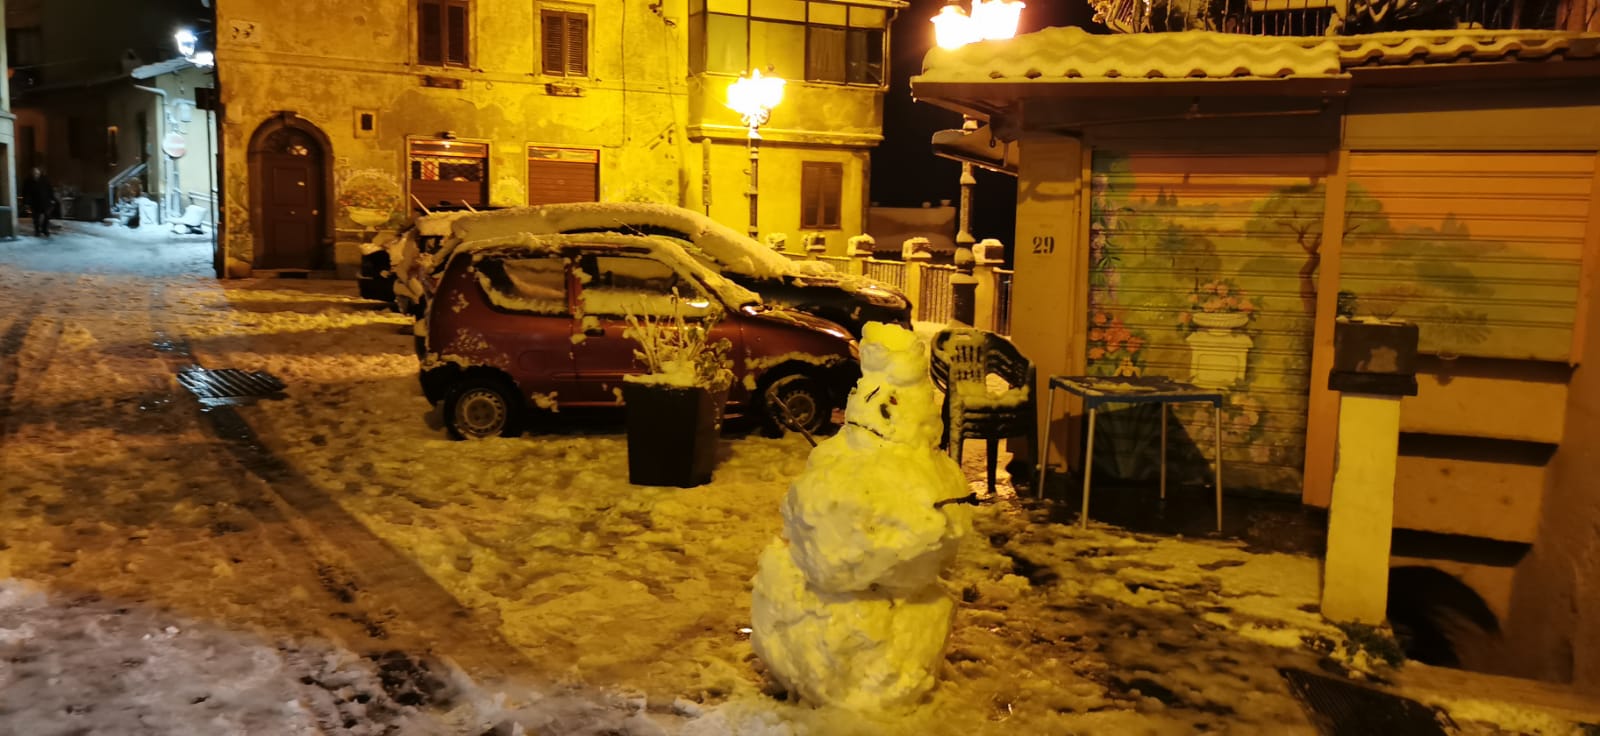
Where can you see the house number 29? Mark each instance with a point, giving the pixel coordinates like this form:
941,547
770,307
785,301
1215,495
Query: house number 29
1044,244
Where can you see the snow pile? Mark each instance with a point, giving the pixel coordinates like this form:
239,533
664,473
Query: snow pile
848,608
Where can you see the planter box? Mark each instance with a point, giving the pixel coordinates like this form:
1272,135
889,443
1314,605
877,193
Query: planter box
672,434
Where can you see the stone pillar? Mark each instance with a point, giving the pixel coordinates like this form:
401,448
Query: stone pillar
1049,293
1355,579
1374,366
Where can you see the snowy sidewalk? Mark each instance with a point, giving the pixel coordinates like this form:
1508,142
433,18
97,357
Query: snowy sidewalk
169,577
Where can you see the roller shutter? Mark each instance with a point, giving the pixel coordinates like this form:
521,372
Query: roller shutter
557,175
1203,269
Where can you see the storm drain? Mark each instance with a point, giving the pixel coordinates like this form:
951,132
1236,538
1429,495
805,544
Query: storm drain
224,386
1339,707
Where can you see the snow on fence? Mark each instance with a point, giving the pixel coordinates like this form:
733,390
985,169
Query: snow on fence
936,302
837,263
892,273
1002,300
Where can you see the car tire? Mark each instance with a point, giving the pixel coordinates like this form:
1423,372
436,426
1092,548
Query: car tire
807,401
479,407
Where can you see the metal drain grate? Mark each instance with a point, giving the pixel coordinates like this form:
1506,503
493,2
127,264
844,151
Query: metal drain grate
228,385
1339,707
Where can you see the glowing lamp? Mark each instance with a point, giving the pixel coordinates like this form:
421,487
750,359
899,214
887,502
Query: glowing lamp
186,41
753,97
952,28
994,20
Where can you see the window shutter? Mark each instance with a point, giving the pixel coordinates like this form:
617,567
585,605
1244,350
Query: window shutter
554,31
832,192
456,34
577,45
430,32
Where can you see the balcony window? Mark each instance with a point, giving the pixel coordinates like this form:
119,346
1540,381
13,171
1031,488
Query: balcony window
443,32
819,41
821,190
564,43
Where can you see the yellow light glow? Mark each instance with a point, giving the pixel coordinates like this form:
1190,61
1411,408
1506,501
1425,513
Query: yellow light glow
995,20
753,97
952,29
991,20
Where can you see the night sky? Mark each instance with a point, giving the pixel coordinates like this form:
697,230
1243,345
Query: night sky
905,173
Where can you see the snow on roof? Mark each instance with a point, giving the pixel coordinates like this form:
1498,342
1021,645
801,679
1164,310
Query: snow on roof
1071,54
733,250
1467,45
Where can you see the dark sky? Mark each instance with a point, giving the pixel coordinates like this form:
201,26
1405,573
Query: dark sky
905,173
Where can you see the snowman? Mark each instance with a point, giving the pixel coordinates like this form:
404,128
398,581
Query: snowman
848,609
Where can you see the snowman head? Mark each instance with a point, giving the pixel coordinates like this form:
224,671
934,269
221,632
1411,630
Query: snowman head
893,401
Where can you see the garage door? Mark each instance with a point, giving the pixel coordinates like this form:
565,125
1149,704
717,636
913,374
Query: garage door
1482,250
557,175
1203,269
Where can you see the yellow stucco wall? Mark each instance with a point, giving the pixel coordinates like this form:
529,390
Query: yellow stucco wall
639,107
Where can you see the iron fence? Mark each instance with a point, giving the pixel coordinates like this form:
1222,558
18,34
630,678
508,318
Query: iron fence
1002,301
937,303
892,273
1333,17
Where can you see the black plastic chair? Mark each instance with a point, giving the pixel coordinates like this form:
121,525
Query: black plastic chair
962,361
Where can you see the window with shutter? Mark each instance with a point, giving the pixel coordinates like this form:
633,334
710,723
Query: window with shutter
564,43
444,32
821,191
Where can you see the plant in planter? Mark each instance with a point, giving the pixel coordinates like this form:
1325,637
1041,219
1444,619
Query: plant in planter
674,410
368,199
1217,305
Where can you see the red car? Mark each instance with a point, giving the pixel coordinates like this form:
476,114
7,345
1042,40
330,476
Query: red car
535,322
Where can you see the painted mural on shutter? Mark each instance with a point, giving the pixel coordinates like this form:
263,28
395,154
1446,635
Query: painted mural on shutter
1203,269
1482,250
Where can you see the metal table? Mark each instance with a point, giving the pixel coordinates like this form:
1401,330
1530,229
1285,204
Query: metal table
1098,391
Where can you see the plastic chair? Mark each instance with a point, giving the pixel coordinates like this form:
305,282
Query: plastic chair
962,361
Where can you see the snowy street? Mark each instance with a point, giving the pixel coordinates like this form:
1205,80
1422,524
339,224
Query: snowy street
329,562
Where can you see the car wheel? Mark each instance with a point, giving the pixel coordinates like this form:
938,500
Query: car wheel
807,404
479,407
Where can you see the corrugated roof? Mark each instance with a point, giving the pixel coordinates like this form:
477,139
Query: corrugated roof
1446,47
1071,54
1055,55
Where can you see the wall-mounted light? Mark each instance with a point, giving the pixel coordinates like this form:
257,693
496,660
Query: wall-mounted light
186,42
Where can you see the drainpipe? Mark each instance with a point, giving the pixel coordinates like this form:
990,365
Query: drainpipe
167,167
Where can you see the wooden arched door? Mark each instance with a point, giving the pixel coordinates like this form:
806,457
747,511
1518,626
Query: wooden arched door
289,174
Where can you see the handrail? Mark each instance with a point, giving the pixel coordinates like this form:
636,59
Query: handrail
116,181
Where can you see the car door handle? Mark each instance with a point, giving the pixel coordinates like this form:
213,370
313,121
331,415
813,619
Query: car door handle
594,331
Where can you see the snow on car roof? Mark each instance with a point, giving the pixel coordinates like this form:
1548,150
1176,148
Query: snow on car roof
733,250
664,248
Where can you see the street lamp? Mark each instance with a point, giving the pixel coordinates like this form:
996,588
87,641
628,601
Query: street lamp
753,97
991,20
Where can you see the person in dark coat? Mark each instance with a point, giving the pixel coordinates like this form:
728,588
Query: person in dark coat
41,199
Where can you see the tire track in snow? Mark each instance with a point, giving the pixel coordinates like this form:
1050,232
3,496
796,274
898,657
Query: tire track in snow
377,588
11,363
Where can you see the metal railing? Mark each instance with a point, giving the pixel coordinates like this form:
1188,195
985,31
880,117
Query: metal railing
1335,17
1002,300
837,263
892,273
937,299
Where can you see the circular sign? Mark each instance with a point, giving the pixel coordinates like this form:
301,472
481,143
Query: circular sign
174,145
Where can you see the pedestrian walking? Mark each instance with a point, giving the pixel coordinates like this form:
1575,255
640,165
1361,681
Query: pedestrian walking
40,196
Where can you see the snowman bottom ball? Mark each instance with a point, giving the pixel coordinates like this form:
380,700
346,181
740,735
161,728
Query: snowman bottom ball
866,651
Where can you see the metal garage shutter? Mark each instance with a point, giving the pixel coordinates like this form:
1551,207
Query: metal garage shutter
557,175
1202,268
1482,250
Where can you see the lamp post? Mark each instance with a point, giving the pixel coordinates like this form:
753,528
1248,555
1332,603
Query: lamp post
753,97
991,20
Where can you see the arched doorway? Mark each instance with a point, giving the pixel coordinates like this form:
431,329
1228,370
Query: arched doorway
289,194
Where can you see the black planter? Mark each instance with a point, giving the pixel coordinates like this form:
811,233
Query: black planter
672,433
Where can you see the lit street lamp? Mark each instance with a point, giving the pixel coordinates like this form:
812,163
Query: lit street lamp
991,20
753,97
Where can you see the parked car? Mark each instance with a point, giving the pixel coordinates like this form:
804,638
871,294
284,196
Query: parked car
528,322
419,257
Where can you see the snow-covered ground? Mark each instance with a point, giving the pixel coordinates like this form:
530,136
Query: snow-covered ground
330,563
